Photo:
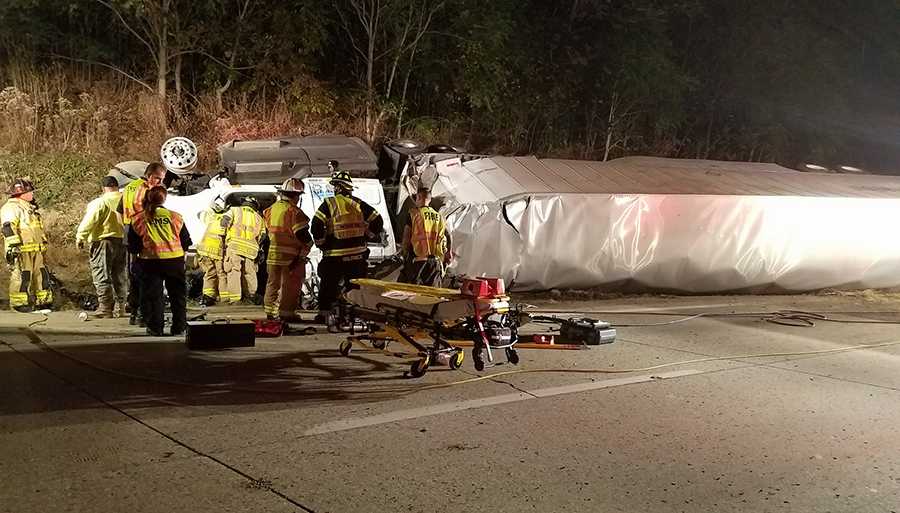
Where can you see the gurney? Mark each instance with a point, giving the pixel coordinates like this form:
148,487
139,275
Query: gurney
414,315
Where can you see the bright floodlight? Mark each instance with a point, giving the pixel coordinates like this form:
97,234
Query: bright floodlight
851,169
815,167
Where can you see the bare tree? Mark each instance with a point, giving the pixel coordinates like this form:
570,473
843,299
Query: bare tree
148,21
382,33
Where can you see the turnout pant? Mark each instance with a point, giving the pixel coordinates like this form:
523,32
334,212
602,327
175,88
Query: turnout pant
108,271
29,281
213,276
335,272
240,277
428,272
283,288
155,273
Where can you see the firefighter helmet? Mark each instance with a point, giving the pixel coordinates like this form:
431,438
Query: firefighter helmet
251,202
291,185
342,179
20,186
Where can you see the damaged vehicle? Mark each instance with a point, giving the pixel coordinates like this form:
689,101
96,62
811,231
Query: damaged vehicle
254,169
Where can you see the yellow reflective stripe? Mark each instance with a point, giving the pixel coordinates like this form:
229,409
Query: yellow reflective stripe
283,219
132,199
18,299
212,245
35,246
160,234
244,232
346,220
343,252
43,297
23,218
427,233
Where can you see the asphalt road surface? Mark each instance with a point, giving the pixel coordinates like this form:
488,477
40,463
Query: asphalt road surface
93,418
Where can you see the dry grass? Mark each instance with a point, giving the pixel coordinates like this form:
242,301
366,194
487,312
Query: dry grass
63,126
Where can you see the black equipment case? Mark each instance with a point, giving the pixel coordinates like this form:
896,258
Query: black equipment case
220,334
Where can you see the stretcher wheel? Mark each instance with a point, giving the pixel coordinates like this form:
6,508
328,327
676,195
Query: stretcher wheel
456,360
379,344
512,356
345,347
418,368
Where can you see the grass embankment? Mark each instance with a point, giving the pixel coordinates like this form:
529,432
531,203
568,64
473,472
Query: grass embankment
65,183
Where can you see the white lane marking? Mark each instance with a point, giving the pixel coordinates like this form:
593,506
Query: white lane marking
634,310
438,409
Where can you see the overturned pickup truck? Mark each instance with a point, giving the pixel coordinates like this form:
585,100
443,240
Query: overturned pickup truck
255,168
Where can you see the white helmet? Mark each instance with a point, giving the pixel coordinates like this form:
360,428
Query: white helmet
292,185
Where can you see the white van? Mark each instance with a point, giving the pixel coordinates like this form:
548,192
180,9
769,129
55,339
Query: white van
316,190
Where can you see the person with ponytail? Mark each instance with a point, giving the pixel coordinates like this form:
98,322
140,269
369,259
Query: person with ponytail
159,239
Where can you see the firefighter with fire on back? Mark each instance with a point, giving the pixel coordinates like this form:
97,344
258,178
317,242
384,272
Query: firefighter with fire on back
228,253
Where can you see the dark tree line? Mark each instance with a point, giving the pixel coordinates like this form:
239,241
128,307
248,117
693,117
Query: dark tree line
778,80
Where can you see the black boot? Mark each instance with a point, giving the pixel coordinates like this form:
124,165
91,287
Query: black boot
22,309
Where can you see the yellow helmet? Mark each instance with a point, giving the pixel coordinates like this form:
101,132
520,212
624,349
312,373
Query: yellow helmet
342,179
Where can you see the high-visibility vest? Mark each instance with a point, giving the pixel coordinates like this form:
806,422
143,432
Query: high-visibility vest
344,222
212,243
22,226
244,232
283,219
133,199
160,234
427,233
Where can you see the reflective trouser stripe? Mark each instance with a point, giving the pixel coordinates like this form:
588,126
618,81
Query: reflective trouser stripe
283,288
29,277
213,276
240,277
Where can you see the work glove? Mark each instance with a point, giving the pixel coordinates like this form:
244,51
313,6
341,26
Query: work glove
12,253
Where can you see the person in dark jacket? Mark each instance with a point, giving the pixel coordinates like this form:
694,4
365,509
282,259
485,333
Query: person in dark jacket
159,239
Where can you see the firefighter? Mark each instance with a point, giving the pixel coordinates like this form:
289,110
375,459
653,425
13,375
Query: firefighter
289,244
101,229
211,251
341,228
132,204
426,243
25,244
244,231
159,240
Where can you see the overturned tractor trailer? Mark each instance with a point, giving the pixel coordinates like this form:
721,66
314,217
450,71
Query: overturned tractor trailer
255,169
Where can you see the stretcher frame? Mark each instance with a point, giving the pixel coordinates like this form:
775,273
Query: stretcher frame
388,323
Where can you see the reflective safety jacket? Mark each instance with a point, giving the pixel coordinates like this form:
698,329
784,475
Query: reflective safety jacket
284,220
244,231
133,199
160,234
212,245
427,233
101,220
341,224
21,225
